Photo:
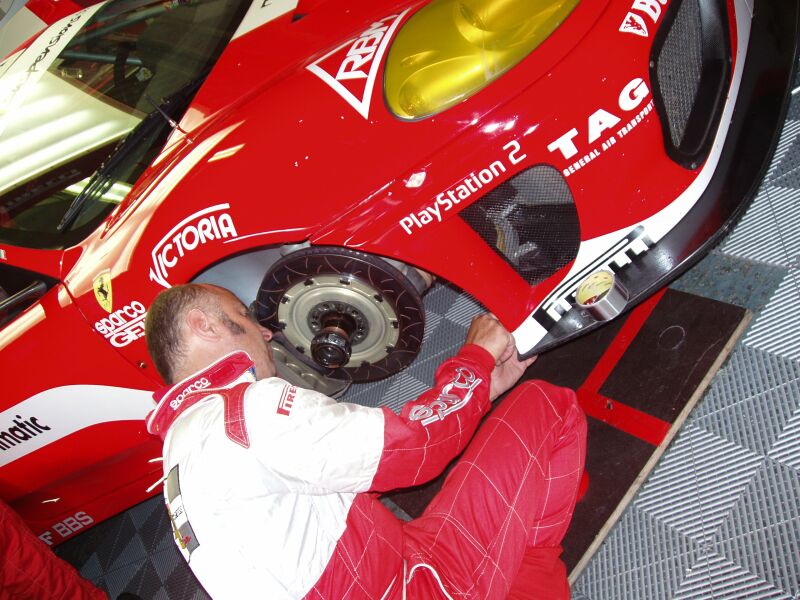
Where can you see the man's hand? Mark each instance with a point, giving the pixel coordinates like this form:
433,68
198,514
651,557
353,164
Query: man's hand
487,332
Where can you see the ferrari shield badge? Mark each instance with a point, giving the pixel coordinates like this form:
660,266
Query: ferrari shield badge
102,290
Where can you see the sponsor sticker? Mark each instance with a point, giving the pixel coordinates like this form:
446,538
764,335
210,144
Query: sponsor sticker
351,69
123,326
20,431
462,190
181,527
32,64
198,384
208,225
102,290
59,412
286,400
66,527
635,23
604,128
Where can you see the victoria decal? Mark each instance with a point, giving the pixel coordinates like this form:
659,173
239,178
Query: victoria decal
210,224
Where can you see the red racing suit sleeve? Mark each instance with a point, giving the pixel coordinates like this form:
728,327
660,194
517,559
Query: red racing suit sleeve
433,429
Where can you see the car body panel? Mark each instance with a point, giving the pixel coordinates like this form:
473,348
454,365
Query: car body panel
289,141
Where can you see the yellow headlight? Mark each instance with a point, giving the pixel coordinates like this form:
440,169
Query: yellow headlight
450,49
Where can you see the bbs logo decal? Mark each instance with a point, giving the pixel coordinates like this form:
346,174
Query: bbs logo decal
352,67
213,223
634,22
124,326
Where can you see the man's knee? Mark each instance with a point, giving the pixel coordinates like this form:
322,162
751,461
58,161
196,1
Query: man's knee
563,401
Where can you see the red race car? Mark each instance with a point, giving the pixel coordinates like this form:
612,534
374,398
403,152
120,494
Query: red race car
558,160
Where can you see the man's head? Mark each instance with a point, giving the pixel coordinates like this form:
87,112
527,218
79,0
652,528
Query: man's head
190,326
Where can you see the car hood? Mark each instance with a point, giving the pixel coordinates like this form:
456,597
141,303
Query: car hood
302,139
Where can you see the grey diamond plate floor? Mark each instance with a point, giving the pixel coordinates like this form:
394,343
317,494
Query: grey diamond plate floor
718,518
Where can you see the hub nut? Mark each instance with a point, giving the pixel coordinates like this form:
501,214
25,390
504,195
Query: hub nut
330,349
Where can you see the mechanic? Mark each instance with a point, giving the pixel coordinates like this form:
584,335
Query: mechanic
271,488
30,571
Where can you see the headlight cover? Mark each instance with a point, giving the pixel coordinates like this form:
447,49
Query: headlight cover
451,49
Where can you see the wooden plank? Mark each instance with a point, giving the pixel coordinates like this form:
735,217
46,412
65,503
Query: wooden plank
656,454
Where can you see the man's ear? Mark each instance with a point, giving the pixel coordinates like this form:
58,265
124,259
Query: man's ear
202,325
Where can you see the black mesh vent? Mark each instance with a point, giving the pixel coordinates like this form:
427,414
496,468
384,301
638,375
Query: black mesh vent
690,73
679,66
531,221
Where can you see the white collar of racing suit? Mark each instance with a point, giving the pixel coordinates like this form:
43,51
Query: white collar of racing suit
234,368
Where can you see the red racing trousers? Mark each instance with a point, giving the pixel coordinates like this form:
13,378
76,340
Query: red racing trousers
29,569
494,529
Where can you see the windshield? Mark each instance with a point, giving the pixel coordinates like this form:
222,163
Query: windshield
110,73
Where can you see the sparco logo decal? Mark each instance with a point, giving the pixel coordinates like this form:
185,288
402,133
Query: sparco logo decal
209,224
634,22
351,68
124,326
448,401
198,384
21,431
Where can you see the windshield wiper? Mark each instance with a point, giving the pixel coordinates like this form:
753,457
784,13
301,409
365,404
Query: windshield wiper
101,181
151,125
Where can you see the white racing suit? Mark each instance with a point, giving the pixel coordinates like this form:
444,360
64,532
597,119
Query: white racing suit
268,487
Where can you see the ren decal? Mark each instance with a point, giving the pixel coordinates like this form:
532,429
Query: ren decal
352,68
454,396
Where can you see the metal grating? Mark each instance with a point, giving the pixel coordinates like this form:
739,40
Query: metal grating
770,229
762,533
661,557
715,577
530,221
776,330
731,480
697,483
758,236
787,447
757,422
679,66
748,373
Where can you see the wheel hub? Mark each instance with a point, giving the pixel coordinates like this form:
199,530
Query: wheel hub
338,320
331,346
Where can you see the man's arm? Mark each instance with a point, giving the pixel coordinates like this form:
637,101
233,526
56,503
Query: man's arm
318,445
435,428
431,430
